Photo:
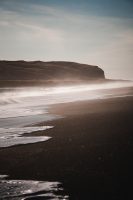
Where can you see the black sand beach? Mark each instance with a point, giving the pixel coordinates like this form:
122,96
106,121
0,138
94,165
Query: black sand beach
91,151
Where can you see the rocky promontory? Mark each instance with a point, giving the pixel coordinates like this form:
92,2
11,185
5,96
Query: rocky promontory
35,72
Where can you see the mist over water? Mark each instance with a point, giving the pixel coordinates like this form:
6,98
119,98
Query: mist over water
15,94
20,108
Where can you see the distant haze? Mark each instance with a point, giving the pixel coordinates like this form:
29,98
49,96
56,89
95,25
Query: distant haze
86,31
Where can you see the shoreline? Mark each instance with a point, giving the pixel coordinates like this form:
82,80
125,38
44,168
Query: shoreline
89,153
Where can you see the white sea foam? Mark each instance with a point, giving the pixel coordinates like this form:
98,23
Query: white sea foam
28,189
14,136
20,107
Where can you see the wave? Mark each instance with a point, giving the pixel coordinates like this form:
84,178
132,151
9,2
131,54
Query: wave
13,136
28,189
20,107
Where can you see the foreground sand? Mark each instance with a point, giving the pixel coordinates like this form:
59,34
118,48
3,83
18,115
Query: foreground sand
91,151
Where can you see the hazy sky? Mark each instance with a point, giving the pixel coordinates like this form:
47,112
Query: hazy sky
98,32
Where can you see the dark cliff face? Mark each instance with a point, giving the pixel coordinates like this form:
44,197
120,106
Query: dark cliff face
59,70
22,73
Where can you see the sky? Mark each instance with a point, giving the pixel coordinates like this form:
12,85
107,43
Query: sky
97,32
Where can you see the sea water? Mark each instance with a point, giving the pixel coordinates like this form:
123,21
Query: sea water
23,107
29,189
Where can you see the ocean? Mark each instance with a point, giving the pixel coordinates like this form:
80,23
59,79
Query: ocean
23,108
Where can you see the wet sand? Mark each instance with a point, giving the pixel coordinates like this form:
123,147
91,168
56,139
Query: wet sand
91,151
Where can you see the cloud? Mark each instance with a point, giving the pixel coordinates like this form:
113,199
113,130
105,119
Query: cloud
33,31
17,22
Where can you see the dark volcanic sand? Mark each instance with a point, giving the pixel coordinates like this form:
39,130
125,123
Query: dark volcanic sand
91,151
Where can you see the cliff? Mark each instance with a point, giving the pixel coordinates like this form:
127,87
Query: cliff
56,71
